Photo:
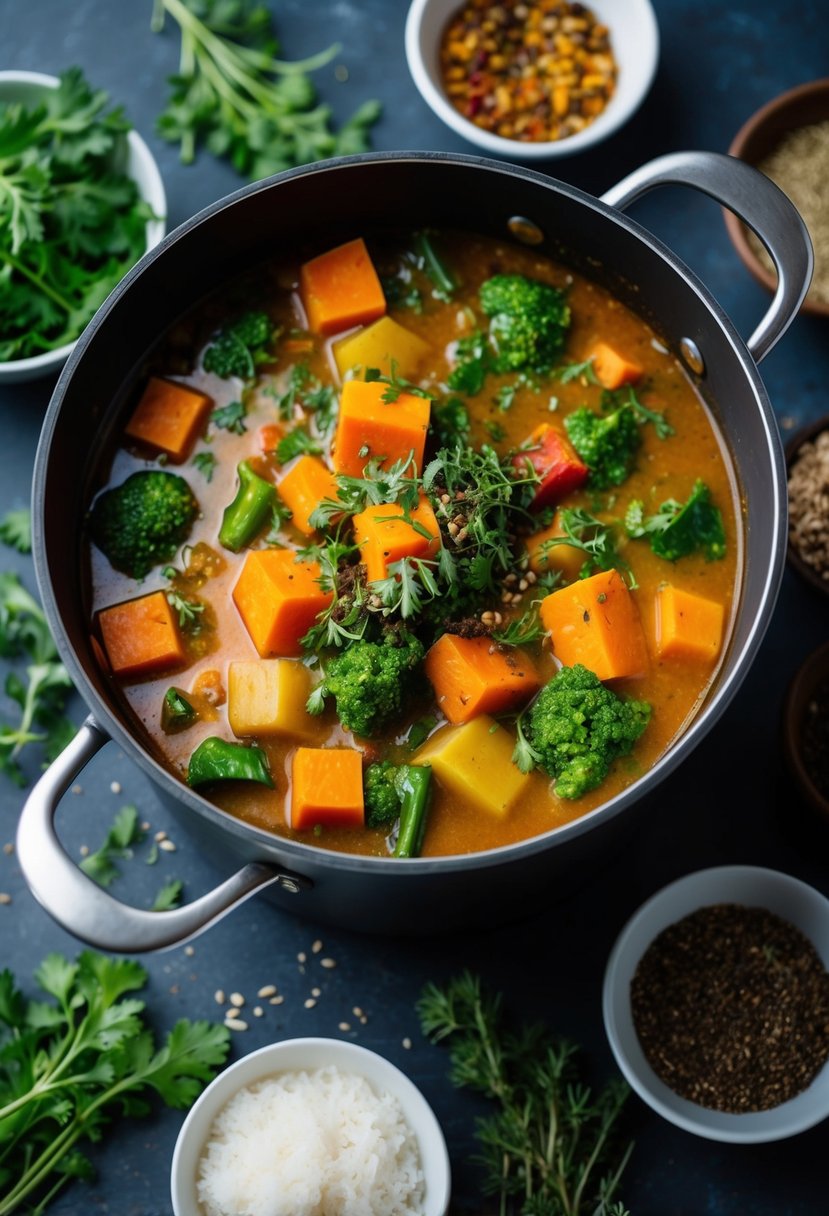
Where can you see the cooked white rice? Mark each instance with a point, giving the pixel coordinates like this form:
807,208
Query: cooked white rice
319,1143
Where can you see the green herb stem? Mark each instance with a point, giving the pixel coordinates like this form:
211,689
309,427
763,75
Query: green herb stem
35,280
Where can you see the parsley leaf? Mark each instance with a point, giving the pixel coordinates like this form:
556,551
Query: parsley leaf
206,463
169,896
231,418
122,835
297,443
16,530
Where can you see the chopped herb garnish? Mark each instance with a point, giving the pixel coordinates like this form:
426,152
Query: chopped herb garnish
231,418
297,443
16,530
206,464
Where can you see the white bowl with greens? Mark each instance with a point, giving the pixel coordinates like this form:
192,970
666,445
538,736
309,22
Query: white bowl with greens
82,200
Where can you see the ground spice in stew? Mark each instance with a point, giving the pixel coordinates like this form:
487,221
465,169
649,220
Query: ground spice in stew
530,72
731,1006
809,504
815,740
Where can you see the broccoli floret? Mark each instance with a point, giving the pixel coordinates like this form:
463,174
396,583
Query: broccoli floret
528,322
382,801
237,349
607,444
141,523
578,727
369,680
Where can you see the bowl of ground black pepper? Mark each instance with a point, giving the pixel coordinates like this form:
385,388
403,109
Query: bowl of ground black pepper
806,730
788,140
716,1004
807,465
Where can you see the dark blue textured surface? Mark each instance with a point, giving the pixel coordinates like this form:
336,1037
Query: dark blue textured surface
729,803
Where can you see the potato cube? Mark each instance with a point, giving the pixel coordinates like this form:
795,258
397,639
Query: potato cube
267,697
474,761
380,345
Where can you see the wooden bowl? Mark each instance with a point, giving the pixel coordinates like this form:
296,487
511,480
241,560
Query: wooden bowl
796,562
812,673
756,139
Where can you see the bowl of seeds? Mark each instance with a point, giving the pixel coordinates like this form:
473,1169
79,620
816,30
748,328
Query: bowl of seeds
806,730
807,467
532,81
716,1004
788,140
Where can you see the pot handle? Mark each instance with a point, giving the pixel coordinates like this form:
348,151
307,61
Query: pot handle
86,910
759,203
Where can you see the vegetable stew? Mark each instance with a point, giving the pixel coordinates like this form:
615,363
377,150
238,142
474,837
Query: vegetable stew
417,546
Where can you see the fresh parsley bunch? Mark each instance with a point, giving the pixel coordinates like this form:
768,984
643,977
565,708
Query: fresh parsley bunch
68,1067
71,220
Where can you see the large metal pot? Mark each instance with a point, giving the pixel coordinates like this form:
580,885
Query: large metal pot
327,202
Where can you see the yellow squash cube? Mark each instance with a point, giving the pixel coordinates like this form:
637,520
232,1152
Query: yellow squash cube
474,761
379,345
267,697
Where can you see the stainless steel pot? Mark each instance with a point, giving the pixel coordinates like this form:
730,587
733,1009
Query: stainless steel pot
327,202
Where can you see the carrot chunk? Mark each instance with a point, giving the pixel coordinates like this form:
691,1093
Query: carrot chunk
168,418
380,345
471,676
552,457
687,626
326,788
141,636
546,554
303,488
595,622
369,428
612,369
340,288
278,599
384,536
269,436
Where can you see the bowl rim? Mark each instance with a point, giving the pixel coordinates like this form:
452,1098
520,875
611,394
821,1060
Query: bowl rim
792,446
735,227
800,685
790,1118
611,118
274,1058
151,191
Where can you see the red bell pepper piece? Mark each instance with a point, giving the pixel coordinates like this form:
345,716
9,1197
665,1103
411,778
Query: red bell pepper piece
554,459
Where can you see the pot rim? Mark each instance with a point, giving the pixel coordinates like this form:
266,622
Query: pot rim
296,853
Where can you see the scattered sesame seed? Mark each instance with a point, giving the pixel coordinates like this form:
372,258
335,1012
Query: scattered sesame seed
407,1043
310,1003
268,990
316,992
357,1011
363,1020
77,789
115,786
237,999
146,825
344,1026
316,947
328,963
302,957
159,836
167,846
219,996
235,1024
174,990
276,1000
84,850
8,849
5,898
189,951
258,1011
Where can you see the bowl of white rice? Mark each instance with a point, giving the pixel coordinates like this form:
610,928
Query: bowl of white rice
311,1127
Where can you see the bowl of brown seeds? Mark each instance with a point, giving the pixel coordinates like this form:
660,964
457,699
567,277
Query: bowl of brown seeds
807,470
716,1004
788,140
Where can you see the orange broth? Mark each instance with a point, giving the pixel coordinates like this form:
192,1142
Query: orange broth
665,469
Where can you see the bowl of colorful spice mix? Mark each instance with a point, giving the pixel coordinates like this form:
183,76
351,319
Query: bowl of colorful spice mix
807,465
788,140
806,730
532,81
716,1004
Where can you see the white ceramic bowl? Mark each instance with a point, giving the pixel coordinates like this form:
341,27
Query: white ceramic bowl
26,87
635,40
787,897
297,1054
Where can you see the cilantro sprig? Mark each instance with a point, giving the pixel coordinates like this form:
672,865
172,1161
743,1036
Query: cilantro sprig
71,223
69,1065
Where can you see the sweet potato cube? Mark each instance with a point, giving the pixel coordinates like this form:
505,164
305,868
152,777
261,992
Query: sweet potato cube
141,636
168,418
474,761
267,698
545,554
278,599
327,788
612,369
595,622
471,676
554,460
369,428
340,289
303,488
382,344
687,626
384,536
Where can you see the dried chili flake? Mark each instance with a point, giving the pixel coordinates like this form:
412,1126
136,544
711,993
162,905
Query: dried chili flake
731,1007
